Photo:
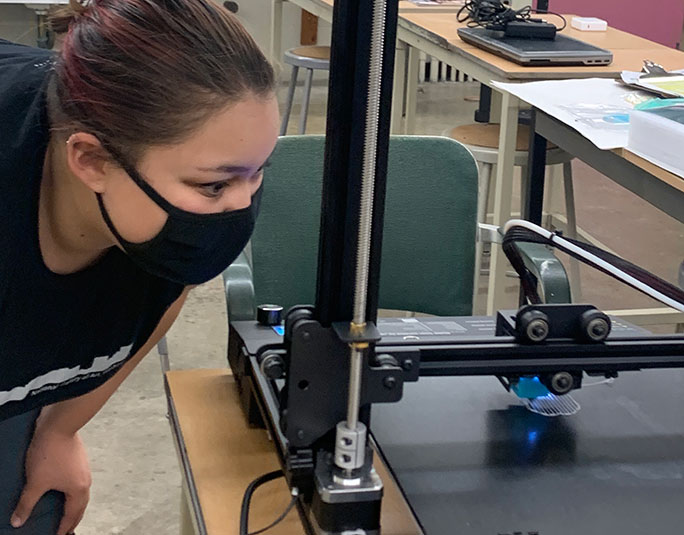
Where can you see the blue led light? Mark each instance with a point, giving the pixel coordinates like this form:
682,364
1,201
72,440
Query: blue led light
279,329
529,388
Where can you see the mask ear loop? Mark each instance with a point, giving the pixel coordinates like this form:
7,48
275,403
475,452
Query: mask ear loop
135,176
100,202
108,220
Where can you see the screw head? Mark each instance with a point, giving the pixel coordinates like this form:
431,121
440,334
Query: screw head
598,329
407,365
300,434
389,382
594,326
562,383
537,330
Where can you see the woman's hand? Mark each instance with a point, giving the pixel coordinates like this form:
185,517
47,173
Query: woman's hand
55,461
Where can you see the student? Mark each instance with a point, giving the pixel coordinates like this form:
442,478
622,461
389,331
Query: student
130,169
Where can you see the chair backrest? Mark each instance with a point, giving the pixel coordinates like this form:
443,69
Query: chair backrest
429,231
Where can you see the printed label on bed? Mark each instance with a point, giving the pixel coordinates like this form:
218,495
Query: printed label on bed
415,327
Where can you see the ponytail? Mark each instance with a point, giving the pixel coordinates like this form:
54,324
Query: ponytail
61,17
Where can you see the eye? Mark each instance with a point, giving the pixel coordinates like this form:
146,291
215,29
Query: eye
213,189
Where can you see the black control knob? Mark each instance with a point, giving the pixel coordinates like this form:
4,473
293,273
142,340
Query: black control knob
269,315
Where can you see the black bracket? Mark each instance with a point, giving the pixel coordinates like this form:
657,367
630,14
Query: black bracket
540,323
316,388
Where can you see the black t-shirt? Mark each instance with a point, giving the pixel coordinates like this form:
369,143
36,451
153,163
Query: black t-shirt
60,335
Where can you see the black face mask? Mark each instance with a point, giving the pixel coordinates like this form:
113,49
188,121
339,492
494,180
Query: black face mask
190,248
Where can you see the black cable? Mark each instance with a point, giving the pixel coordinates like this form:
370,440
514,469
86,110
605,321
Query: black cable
561,17
528,281
277,521
521,234
491,14
247,498
495,14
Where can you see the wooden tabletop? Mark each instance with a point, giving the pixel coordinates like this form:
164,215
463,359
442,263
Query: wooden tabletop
409,7
623,60
225,455
327,3
629,50
440,28
673,180
447,27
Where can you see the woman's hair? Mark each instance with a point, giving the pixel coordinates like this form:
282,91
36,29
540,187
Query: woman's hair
138,73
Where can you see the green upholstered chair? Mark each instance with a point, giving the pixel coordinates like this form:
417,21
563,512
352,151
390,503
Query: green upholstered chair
428,257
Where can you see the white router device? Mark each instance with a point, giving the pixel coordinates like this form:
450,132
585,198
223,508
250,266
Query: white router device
589,24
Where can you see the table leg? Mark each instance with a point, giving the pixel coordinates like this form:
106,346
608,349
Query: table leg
502,197
398,89
413,65
186,525
495,108
44,39
483,111
434,69
276,30
571,231
533,196
532,183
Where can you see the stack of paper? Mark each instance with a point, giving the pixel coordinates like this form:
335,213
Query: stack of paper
597,108
658,136
671,86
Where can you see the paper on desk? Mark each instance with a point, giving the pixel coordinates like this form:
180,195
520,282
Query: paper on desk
666,86
597,108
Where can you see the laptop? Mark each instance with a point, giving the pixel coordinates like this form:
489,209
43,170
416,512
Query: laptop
562,50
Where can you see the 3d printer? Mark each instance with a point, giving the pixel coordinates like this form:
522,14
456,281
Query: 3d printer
293,376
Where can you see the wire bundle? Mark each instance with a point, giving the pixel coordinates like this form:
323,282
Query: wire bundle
638,278
496,14
491,14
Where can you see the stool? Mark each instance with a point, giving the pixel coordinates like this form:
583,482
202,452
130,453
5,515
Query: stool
310,58
483,142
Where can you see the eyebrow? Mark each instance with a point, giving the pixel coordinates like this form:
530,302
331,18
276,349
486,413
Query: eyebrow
227,168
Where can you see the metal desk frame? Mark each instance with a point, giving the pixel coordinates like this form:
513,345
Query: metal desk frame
652,189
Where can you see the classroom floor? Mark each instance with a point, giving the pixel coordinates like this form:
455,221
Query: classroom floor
136,480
